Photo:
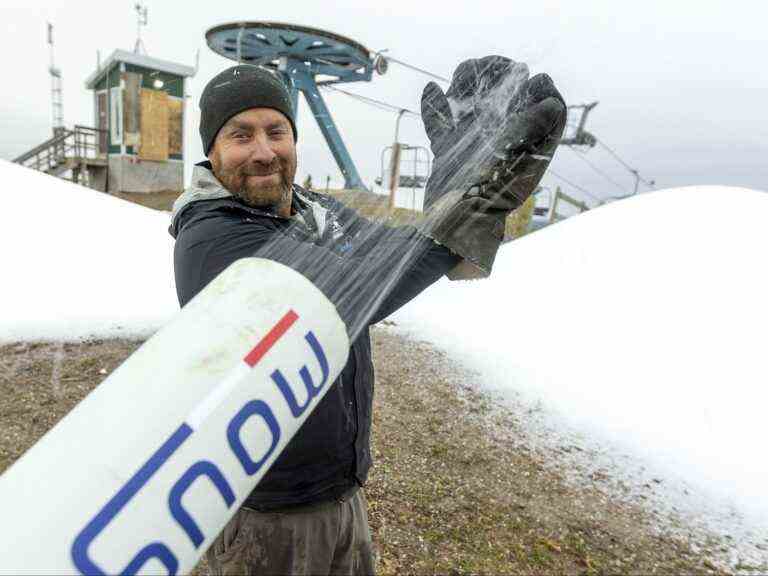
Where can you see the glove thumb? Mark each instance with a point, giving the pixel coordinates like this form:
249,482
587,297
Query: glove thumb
538,115
436,115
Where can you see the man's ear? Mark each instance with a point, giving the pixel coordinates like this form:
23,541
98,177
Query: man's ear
213,158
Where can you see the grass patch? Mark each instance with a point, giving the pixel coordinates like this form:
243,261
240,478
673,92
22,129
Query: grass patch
444,496
376,207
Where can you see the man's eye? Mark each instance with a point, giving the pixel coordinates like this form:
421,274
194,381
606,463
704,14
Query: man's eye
240,135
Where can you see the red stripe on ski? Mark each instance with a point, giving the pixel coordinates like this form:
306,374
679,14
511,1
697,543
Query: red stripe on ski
258,351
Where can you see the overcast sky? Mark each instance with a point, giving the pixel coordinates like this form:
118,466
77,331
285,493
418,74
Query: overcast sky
682,85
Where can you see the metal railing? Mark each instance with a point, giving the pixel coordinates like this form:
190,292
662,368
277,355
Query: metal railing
561,197
80,143
549,207
413,180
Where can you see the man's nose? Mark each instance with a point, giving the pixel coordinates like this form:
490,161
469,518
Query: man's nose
261,151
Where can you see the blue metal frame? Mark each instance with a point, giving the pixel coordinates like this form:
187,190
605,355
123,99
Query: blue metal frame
301,54
299,77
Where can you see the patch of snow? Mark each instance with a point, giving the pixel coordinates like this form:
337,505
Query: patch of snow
640,325
78,263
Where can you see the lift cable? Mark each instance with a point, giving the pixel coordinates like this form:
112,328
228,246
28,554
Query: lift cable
576,186
589,163
390,107
633,171
372,101
650,184
412,67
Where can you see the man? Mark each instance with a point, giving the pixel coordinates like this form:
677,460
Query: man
308,514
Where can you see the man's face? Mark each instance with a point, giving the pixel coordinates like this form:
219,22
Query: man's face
254,157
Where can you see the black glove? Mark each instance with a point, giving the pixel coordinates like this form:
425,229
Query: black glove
493,135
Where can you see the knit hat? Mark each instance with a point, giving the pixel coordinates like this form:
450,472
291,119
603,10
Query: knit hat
239,88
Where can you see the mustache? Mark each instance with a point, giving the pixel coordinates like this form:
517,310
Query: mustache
261,170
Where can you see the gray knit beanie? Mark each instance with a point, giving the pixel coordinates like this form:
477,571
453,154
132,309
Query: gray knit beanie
239,88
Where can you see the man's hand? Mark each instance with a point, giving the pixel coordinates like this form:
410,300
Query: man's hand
493,135
494,127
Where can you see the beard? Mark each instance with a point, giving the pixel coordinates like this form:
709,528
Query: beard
244,182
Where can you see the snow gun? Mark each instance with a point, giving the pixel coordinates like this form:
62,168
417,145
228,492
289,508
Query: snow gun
144,473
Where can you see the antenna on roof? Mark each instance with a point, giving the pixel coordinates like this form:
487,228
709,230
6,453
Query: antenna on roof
141,20
57,114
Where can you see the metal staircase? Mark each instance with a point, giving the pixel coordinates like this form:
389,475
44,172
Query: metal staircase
76,151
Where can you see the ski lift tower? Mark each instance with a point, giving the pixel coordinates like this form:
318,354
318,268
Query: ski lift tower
307,58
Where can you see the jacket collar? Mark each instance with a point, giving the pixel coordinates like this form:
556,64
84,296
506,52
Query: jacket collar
205,186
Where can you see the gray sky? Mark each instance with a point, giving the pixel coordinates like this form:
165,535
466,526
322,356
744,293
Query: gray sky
682,85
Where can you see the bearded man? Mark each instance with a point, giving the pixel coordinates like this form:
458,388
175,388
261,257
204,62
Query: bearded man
308,514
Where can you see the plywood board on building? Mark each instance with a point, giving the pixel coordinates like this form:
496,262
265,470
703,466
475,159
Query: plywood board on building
175,127
154,125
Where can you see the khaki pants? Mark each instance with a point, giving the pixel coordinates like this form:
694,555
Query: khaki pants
328,538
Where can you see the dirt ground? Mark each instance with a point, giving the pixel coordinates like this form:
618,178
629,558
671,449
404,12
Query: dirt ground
447,494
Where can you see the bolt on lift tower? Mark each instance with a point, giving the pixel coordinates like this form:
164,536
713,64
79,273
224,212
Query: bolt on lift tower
307,58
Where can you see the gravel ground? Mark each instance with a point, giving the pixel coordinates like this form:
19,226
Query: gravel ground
456,487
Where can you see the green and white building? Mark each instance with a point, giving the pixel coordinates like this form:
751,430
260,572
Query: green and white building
139,104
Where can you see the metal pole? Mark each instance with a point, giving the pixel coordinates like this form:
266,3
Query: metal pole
303,80
397,124
394,173
394,167
552,215
381,161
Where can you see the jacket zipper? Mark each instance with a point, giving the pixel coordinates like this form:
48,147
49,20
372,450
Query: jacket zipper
357,414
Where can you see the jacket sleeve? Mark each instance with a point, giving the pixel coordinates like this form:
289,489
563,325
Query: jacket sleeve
382,269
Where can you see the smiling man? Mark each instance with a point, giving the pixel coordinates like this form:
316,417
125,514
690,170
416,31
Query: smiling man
308,514
262,178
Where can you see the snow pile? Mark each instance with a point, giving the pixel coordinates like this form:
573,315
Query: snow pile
641,323
79,263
